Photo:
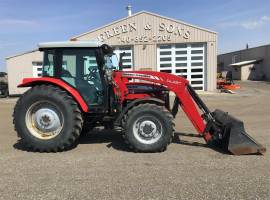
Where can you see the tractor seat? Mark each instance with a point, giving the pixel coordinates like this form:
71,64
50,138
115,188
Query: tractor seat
88,91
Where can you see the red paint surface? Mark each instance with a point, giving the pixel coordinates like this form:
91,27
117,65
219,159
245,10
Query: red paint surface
172,82
223,84
75,94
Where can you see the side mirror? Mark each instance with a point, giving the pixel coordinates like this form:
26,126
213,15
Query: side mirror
106,49
121,60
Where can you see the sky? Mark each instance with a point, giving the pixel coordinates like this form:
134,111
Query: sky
25,23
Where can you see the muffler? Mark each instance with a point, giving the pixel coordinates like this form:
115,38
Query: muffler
233,137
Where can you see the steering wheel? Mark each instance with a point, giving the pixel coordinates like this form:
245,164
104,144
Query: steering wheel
92,75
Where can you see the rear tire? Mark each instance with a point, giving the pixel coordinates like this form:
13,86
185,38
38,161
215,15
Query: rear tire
47,119
148,128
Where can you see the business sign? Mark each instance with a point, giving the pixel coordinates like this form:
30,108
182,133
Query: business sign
164,33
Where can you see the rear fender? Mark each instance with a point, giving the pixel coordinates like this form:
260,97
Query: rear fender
30,82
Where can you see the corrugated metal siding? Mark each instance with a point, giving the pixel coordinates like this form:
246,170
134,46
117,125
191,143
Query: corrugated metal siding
262,52
266,62
211,71
196,35
145,57
145,53
20,67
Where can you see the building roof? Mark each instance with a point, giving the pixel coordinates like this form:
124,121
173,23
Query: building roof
144,12
92,43
247,62
61,44
241,50
20,54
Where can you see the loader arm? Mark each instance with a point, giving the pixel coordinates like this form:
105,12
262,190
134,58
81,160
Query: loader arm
171,82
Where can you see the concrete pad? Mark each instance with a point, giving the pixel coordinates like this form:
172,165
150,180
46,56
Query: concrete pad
102,167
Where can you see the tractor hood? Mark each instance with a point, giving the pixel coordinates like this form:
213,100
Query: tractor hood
136,88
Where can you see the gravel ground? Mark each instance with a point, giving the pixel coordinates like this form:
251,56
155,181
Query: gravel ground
101,166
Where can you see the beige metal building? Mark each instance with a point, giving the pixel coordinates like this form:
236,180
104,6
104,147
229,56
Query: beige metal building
247,64
151,42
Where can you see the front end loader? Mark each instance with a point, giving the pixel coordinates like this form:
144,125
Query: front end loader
84,86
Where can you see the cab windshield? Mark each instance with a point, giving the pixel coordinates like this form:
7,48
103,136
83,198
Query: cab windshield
111,62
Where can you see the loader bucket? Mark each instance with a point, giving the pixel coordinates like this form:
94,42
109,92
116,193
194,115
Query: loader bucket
234,137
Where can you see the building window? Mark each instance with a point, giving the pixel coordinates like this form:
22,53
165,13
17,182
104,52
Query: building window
234,59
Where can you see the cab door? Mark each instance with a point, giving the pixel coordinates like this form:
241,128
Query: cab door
80,69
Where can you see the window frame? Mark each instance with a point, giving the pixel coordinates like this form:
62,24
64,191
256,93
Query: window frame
45,59
57,71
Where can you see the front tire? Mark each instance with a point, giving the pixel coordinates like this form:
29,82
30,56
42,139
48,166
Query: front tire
148,128
47,119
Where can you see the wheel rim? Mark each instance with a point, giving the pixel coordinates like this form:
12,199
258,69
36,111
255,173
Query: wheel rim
44,120
147,130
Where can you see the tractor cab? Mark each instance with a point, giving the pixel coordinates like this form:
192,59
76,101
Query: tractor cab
84,65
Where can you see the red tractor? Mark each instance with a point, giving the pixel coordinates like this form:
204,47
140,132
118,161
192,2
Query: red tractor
84,86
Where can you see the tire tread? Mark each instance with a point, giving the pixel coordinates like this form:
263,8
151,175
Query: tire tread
145,106
77,118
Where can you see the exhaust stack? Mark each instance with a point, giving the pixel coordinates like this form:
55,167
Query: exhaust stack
129,10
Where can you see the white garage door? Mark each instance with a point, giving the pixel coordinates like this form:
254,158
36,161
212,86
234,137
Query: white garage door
37,69
187,60
127,59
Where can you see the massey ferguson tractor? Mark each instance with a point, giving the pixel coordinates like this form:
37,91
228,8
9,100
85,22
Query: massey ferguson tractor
84,86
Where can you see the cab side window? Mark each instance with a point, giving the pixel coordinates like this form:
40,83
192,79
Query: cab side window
68,72
48,65
80,70
91,71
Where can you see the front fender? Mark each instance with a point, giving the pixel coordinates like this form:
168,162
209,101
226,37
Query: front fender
137,102
30,82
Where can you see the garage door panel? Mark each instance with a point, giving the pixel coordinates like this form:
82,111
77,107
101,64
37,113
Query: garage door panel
186,60
127,58
165,59
37,69
181,64
197,51
179,52
166,70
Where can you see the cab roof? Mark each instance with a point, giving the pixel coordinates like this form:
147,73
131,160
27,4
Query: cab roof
65,44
